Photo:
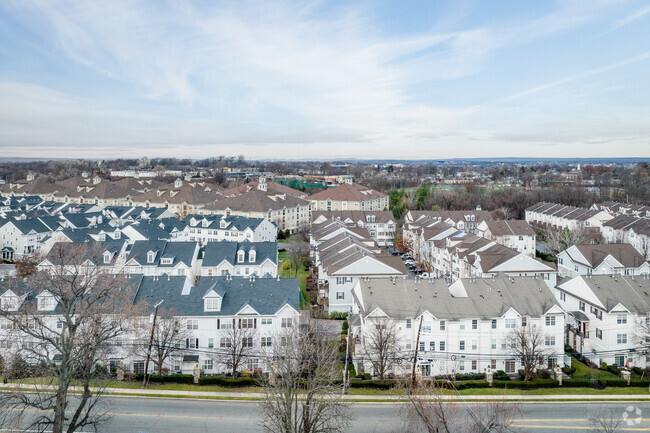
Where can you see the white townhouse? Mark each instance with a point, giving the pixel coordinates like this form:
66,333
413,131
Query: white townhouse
608,318
514,234
24,236
465,220
163,257
465,326
209,311
630,229
381,225
218,228
571,217
265,307
601,259
240,259
109,256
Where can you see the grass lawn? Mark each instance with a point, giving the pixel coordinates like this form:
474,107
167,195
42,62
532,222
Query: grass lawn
291,272
584,372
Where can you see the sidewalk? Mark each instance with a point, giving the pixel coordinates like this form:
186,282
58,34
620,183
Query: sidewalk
361,398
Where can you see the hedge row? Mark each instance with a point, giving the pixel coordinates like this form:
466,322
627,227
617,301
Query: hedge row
170,378
222,381
376,384
532,384
577,383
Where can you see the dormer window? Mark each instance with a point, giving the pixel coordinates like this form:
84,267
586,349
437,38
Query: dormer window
45,303
118,234
178,183
9,303
222,224
107,257
151,256
212,304
102,237
240,256
205,223
166,260
252,256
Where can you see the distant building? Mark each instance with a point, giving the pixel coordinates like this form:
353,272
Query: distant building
347,197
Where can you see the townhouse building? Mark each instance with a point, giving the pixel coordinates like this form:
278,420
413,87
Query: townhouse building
571,217
465,326
381,225
163,257
630,229
347,197
24,236
608,317
601,259
240,259
465,220
514,234
231,228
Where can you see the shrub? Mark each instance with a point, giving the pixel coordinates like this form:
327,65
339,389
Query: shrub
645,383
543,374
501,375
171,378
568,348
613,369
577,383
531,384
471,384
377,384
612,381
569,371
637,370
470,376
340,315
222,381
101,370
603,366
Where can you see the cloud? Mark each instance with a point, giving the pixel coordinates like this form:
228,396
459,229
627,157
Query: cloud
640,13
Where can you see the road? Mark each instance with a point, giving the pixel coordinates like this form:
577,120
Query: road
165,415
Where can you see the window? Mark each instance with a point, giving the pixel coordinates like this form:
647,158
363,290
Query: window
510,366
493,343
442,346
426,326
247,323
621,338
251,256
247,342
599,334
474,324
151,256
461,366
266,341
193,324
225,342
621,318
408,323
552,362
511,323
138,367
267,321
461,326
524,321
286,322
474,365
581,305
550,320
421,346
45,302
208,364
432,346
549,340
474,344
339,295
442,325
461,345
191,343
212,304
493,364
210,343
494,323
562,296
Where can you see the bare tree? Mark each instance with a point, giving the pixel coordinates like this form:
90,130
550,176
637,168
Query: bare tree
300,394
236,343
503,213
169,338
606,420
298,252
560,239
527,343
64,323
428,410
380,346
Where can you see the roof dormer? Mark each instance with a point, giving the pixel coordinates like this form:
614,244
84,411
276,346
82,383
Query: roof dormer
205,222
222,223
107,257
252,256
96,180
178,183
212,301
241,256
45,301
151,256
9,301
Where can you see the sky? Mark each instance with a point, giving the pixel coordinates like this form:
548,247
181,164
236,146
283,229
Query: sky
404,79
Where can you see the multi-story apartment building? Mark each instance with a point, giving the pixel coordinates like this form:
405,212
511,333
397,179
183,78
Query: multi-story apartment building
240,259
232,228
608,317
347,197
514,234
465,327
557,215
381,225
601,259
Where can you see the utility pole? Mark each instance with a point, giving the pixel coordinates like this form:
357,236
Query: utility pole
415,359
347,350
153,328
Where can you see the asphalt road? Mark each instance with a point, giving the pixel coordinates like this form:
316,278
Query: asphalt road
164,415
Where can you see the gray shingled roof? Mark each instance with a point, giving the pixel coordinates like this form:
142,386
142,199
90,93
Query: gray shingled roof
216,252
